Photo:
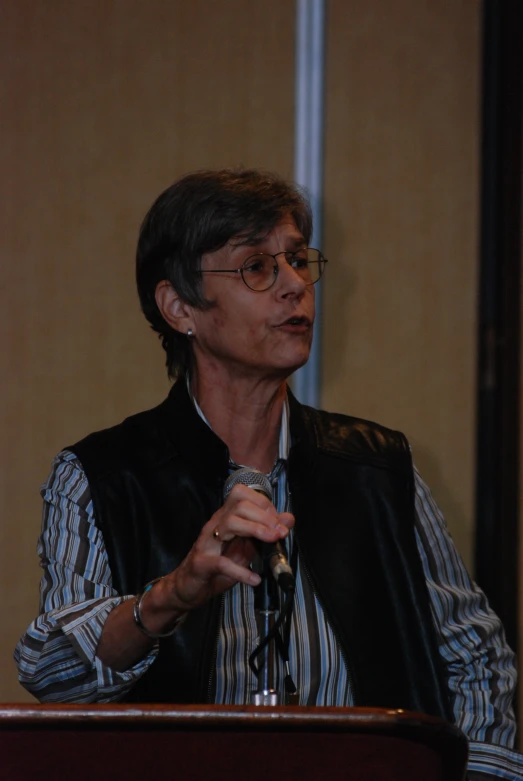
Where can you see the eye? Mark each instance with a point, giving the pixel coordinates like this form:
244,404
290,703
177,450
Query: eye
256,265
299,260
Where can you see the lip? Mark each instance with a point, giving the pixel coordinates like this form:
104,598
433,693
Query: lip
304,322
296,324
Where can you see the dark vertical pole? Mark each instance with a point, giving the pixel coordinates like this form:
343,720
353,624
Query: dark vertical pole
497,496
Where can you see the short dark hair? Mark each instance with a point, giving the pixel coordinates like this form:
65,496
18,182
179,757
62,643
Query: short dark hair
200,213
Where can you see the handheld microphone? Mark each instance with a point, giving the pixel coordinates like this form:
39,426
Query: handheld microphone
271,552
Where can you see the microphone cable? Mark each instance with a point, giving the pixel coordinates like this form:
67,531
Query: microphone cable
282,624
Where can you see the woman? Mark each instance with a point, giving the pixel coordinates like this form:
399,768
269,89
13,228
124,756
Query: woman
147,593
253,330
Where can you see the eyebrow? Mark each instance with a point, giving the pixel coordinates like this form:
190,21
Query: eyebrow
294,242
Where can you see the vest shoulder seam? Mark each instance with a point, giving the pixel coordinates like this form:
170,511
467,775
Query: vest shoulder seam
358,440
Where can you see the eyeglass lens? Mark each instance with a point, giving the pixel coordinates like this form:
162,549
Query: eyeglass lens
260,271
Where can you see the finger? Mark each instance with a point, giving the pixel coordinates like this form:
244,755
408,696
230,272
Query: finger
204,568
245,508
240,549
286,519
228,522
239,529
236,572
259,525
200,576
242,492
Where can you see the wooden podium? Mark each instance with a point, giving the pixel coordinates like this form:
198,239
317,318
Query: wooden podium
160,742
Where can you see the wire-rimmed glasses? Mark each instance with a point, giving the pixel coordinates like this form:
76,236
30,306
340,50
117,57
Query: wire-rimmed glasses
259,272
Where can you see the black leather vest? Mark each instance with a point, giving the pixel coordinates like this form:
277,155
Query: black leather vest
158,477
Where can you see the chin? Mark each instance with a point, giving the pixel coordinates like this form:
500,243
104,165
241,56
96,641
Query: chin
295,363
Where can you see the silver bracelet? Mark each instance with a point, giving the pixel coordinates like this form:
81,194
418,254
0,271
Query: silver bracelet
137,613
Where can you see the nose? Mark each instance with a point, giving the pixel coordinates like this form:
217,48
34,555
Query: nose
288,283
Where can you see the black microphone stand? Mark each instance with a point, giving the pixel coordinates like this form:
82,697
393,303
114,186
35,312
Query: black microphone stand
266,606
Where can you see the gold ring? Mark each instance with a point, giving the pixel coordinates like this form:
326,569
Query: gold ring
216,533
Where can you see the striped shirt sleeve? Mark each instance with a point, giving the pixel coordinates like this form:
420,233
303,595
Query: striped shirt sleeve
56,657
480,666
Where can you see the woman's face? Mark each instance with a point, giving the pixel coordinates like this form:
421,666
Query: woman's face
250,333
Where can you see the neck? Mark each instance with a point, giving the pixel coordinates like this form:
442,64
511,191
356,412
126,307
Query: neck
246,415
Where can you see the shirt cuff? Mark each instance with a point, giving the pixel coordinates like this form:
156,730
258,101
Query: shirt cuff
83,628
495,761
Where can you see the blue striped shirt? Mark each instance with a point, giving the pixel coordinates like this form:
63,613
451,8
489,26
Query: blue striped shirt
315,659
57,655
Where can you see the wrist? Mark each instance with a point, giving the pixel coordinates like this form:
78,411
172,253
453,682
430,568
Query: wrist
154,613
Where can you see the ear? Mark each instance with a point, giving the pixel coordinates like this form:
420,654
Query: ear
176,312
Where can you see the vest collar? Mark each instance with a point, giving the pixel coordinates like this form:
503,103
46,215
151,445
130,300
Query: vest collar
192,438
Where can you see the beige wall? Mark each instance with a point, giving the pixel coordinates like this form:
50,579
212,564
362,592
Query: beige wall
105,103
401,230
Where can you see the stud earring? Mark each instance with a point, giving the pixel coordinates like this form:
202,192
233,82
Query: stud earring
190,333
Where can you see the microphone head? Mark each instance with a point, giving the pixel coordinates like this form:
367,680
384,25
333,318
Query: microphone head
252,478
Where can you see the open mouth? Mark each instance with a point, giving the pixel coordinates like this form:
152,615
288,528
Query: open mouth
302,321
